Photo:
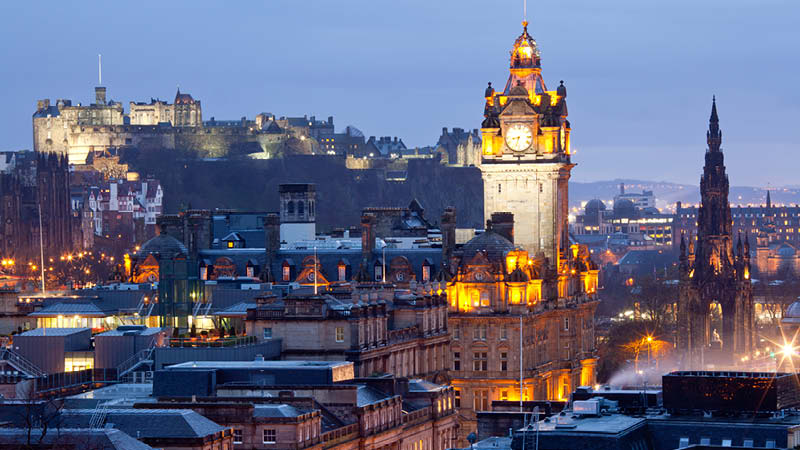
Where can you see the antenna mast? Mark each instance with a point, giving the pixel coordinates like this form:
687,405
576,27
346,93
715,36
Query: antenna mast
525,12
99,69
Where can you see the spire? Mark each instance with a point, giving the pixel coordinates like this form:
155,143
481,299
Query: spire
683,245
769,201
714,135
739,245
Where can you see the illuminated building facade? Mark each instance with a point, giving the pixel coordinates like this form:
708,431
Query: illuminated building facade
711,273
522,294
526,153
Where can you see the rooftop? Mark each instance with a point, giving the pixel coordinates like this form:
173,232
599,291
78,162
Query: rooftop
54,331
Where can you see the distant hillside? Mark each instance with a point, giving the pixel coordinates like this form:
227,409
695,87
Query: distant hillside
668,193
341,193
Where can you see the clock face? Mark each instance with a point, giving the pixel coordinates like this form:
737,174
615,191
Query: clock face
519,137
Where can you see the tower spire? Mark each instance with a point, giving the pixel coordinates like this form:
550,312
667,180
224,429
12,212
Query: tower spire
99,69
714,135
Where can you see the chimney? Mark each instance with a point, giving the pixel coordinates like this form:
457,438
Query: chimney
448,228
367,236
272,238
100,95
503,224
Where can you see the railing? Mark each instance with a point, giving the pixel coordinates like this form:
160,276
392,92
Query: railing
212,343
139,357
20,363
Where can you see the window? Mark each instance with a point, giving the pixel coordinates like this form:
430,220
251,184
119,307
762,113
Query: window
503,333
230,244
504,361
480,361
504,395
566,323
237,436
426,273
342,272
290,207
339,334
746,443
456,360
458,398
457,332
705,441
269,436
301,207
726,442
378,272
770,444
684,442
481,400
479,333
485,299
287,272
499,188
267,333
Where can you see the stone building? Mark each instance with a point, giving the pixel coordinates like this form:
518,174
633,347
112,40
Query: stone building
522,295
776,229
32,182
379,329
715,274
521,329
526,153
460,147
310,405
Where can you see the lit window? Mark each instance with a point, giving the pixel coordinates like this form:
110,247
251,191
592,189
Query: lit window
339,334
426,273
458,398
269,436
342,272
481,400
230,244
286,273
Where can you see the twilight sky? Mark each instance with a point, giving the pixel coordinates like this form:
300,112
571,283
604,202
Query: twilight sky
640,74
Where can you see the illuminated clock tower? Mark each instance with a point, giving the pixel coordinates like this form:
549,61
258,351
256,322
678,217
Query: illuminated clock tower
526,153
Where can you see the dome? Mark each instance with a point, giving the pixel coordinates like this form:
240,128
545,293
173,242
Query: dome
525,53
624,208
495,246
786,251
793,310
594,206
164,245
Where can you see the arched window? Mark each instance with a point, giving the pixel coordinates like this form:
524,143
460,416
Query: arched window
301,207
290,207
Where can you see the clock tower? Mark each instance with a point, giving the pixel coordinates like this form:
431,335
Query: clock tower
525,159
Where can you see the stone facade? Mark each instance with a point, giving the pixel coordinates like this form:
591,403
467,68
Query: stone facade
711,273
81,132
526,153
36,180
460,147
379,331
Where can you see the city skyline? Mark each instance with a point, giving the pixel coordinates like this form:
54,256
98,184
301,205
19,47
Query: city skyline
638,108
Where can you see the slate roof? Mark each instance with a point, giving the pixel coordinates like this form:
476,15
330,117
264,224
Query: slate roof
54,331
366,395
71,308
419,385
239,309
148,423
277,411
495,246
106,438
164,245
329,259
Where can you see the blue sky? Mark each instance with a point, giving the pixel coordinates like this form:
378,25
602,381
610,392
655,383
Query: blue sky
640,74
